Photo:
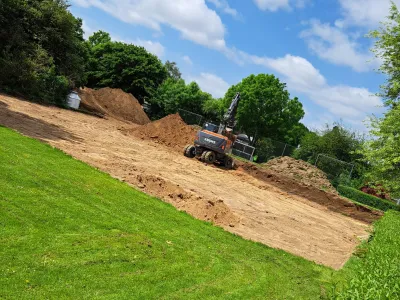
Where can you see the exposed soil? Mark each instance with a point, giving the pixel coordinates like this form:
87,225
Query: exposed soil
332,201
278,212
301,171
114,103
170,131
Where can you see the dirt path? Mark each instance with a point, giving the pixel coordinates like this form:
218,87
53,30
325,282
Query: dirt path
238,202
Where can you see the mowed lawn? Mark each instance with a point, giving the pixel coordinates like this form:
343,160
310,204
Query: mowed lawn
68,230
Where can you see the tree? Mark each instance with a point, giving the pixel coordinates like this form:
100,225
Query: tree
388,51
265,109
294,135
99,37
173,70
173,95
214,109
383,152
43,52
336,141
128,67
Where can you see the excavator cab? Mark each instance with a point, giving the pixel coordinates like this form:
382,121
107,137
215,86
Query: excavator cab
211,127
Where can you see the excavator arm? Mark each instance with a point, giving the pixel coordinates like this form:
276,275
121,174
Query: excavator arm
229,120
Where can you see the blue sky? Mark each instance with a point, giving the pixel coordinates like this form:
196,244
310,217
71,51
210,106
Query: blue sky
316,46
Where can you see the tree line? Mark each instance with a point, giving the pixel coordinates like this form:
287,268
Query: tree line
43,56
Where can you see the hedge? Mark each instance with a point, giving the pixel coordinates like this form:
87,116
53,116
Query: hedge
367,199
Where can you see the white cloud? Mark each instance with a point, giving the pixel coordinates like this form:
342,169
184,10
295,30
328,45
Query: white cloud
275,5
342,101
187,60
272,5
302,3
193,19
211,83
365,12
88,31
223,5
334,45
153,47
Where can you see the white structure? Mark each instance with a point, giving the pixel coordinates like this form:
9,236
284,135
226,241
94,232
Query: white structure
73,100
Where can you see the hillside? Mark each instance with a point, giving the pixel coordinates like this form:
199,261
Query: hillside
69,230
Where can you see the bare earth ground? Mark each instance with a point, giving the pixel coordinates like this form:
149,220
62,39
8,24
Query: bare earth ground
234,200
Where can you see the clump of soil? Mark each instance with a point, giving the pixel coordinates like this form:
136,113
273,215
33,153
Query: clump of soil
301,171
211,210
170,131
114,103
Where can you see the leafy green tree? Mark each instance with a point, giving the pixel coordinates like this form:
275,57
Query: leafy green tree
99,37
294,135
388,51
173,95
43,52
173,70
214,109
336,141
265,109
383,152
128,67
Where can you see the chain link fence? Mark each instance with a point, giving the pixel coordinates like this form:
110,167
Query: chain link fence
336,170
243,150
268,149
191,118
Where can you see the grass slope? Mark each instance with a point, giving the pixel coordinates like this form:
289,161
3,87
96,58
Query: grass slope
374,272
68,230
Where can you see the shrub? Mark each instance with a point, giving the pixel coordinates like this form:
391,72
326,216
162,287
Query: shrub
364,198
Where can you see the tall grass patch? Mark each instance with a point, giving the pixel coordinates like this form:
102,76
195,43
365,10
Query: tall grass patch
375,273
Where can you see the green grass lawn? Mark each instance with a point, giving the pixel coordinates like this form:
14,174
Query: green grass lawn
374,272
68,230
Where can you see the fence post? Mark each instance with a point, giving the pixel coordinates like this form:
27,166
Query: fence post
351,173
252,154
284,149
316,161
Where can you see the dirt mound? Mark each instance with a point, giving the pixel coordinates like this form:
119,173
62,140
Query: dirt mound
114,103
301,171
292,186
170,131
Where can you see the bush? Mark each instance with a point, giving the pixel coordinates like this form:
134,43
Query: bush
376,273
364,198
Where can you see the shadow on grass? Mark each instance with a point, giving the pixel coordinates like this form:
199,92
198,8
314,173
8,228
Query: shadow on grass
33,127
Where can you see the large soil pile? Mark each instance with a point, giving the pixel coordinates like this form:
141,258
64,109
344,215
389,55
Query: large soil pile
114,103
301,171
170,131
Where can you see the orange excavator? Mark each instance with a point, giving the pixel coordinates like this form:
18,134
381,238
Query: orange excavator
213,143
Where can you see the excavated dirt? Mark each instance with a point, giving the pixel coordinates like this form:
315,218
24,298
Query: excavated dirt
300,171
170,131
114,103
275,212
332,201
213,210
